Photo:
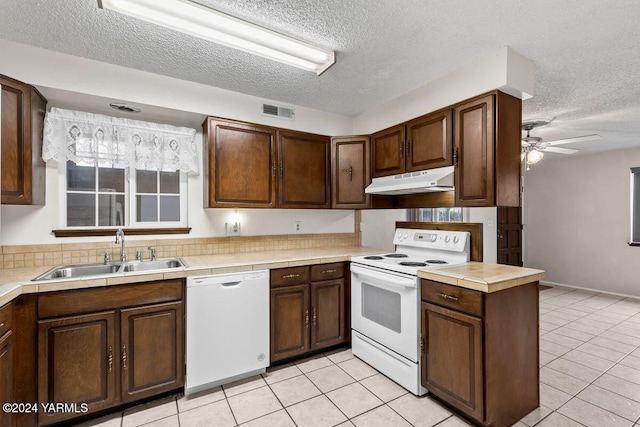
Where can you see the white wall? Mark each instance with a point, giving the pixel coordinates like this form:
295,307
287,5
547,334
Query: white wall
380,226
489,219
576,221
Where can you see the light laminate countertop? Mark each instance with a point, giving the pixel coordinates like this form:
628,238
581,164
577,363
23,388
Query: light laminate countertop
482,276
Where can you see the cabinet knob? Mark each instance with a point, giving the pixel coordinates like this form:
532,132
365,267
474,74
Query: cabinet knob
350,173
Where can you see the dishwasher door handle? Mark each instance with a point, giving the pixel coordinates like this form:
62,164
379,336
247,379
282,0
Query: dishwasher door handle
230,284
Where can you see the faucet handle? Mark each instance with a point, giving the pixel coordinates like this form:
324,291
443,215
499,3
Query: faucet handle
152,250
107,258
139,255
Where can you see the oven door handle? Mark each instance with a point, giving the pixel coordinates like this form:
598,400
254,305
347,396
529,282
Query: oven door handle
386,278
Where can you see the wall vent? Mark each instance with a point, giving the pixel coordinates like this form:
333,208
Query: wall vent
271,110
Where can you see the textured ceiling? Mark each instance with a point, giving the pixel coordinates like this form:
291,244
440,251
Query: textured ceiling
585,51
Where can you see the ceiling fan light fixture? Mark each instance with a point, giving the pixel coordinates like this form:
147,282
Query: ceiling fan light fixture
203,22
534,156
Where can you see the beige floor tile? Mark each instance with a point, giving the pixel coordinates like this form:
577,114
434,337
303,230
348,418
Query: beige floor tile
562,381
552,397
313,363
550,318
574,369
624,339
544,326
553,348
455,421
153,411
586,359
574,333
626,373
590,415
611,344
295,390
382,416
604,353
113,420
357,369
558,420
216,414
340,355
419,411
546,357
316,412
631,361
612,402
619,386
253,404
330,378
242,386
562,340
385,389
590,329
536,415
632,332
281,373
354,399
171,421
346,424
276,419
186,403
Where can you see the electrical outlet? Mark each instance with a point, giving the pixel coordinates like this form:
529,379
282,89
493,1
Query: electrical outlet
297,226
232,228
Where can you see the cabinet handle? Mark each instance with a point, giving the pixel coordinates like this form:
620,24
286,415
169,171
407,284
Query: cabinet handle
281,169
421,344
314,317
110,358
275,168
306,318
124,356
401,150
350,173
328,271
290,276
455,157
1,324
447,297
408,148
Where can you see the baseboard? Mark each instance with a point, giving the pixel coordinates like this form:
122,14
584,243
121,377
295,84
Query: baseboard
564,285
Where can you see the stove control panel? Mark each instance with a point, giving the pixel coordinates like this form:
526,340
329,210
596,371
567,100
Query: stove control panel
435,239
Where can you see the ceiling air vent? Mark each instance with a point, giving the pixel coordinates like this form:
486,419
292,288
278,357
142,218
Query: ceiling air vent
277,111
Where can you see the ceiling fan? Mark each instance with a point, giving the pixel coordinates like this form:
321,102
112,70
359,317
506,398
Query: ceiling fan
533,147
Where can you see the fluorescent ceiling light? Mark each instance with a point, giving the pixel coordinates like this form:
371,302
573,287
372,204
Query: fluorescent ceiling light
199,21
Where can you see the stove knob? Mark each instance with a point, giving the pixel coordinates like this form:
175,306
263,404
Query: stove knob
455,239
434,237
405,235
446,239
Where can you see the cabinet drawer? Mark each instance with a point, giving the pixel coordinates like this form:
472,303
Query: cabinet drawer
455,297
327,271
6,318
289,276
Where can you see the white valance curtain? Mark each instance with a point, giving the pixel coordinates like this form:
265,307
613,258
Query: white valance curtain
86,138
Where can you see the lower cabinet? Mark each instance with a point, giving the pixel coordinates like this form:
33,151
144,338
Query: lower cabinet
307,309
480,352
130,350
7,369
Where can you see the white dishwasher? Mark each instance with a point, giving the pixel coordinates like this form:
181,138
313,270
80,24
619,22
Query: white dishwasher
227,328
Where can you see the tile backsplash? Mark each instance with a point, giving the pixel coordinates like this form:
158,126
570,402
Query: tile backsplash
74,253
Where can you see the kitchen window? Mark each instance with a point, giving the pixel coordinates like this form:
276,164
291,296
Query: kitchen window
115,172
435,215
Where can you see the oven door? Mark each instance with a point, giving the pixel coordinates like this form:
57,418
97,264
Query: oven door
384,307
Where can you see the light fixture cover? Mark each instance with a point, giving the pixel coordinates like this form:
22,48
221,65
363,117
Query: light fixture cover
534,156
203,22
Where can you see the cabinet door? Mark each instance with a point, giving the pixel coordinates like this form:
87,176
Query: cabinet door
6,377
510,236
305,173
351,173
241,164
474,152
327,313
23,170
289,321
77,363
429,141
151,350
452,364
387,152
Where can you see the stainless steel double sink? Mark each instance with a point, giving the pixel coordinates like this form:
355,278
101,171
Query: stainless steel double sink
84,270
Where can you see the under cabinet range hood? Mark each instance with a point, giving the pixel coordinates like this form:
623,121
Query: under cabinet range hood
439,179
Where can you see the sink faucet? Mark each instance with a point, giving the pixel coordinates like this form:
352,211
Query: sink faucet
120,239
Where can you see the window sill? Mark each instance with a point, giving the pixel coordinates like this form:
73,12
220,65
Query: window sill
93,232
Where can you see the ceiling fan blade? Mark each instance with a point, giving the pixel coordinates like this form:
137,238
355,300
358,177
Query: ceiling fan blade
574,139
560,150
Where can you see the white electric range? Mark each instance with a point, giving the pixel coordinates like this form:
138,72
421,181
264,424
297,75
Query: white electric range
385,300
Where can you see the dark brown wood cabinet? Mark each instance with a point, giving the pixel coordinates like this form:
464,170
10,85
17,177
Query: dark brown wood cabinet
308,309
7,365
510,236
240,164
108,346
305,171
487,150
480,352
350,172
422,143
23,170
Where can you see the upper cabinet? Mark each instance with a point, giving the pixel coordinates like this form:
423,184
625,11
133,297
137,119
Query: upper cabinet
23,170
351,172
305,170
240,163
487,151
422,143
